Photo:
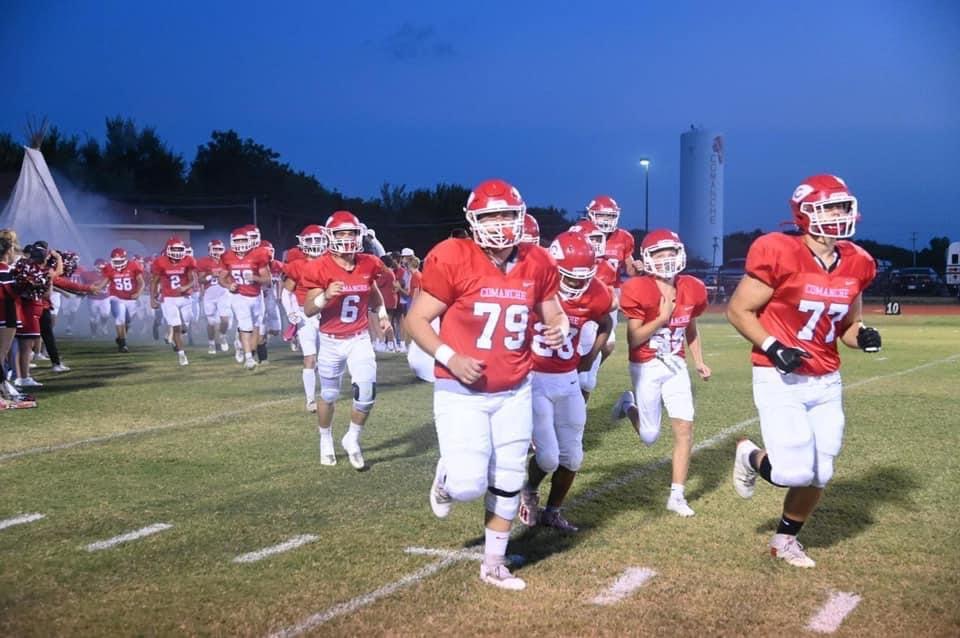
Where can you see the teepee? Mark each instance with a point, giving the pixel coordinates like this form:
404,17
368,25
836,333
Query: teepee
36,210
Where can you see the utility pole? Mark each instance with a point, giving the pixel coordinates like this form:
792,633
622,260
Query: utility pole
254,211
913,238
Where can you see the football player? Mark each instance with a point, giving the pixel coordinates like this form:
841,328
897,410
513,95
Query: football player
662,309
559,409
604,211
174,278
486,288
607,276
800,295
125,283
214,299
244,271
270,322
342,289
99,303
312,245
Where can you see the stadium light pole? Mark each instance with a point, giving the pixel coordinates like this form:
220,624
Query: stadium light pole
645,163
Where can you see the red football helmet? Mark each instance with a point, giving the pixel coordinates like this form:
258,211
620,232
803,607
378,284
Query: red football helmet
604,211
494,197
118,258
312,240
823,206
268,246
665,266
100,264
175,249
253,234
531,230
240,241
593,234
215,248
350,239
576,261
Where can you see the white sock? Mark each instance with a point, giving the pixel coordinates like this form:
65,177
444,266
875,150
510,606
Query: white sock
676,489
495,547
248,356
310,384
325,433
353,434
211,342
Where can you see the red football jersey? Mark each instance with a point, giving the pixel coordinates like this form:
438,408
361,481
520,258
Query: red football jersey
123,283
594,304
293,270
416,282
242,269
173,274
620,246
640,299
385,281
345,314
488,311
606,274
808,302
90,277
208,271
293,254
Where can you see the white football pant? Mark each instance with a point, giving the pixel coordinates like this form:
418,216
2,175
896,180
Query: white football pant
559,416
656,382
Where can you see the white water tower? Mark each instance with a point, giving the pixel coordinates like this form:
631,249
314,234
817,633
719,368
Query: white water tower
701,194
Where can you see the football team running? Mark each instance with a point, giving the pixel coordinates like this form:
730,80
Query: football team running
512,336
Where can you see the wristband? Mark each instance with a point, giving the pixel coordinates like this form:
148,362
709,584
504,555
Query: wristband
769,341
382,313
443,354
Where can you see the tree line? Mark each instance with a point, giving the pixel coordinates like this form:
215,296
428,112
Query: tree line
217,189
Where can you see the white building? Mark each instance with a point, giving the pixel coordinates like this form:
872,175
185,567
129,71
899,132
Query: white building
701,194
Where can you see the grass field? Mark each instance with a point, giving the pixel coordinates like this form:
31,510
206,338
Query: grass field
229,460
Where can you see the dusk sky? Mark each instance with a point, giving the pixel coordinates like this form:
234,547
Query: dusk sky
561,99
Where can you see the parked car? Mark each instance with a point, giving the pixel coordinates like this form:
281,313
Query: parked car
916,281
710,280
730,274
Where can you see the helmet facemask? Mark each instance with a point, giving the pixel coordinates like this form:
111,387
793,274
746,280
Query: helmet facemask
346,244
492,231
176,252
313,244
665,262
606,220
835,217
570,278
240,244
216,250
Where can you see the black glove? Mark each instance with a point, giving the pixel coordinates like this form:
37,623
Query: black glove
868,339
786,359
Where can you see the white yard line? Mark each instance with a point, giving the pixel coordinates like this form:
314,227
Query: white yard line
286,546
129,536
415,577
152,428
833,612
459,554
366,599
20,520
632,579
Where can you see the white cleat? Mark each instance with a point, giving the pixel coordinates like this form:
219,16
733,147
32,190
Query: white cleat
440,502
744,476
620,408
250,364
27,382
224,346
60,368
529,508
500,576
311,406
39,356
352,448
678,505
182,359
327,454
787,548
212,349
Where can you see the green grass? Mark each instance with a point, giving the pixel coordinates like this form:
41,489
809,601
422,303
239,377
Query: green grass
235,468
